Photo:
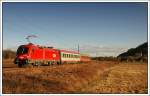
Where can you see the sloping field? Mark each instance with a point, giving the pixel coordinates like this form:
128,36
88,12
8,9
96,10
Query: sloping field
75,78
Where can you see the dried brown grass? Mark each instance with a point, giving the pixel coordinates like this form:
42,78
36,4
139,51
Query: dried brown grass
93,77
123,78
67,78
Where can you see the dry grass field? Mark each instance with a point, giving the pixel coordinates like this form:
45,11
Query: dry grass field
93,77
123,78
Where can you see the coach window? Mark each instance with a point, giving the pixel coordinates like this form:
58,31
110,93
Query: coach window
64,55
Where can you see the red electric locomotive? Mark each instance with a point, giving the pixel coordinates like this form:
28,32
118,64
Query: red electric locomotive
36,55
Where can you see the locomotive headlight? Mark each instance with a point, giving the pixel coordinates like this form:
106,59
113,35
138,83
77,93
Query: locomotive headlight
21,57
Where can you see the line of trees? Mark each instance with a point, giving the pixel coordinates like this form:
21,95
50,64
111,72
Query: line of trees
8,54
110,58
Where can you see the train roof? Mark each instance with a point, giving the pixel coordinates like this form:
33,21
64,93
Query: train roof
62,50
82,54
66,51
31,44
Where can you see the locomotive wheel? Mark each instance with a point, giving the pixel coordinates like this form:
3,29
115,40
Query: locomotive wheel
20,65
37,64
49,63
58,63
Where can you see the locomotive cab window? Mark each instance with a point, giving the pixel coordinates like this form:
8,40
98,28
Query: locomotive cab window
22,50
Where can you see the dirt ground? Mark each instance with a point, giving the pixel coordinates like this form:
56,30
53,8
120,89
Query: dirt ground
92,77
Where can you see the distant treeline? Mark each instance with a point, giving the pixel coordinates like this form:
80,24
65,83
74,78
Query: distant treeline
104,58
8,54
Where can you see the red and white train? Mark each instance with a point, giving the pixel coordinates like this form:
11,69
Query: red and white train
37,55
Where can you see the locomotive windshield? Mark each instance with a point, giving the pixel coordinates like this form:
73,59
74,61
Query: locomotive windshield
22,50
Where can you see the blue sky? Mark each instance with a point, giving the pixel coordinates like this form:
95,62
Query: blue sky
101,29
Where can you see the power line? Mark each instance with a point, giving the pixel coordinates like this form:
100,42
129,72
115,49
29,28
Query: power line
29,37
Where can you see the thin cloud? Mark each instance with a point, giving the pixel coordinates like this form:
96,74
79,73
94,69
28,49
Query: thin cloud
96,50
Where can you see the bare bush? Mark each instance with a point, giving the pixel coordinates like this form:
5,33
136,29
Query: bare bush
8,54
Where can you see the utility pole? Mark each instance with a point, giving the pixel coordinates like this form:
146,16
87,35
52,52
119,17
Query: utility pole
78,48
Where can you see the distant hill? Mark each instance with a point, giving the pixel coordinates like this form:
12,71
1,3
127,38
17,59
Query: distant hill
140,53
